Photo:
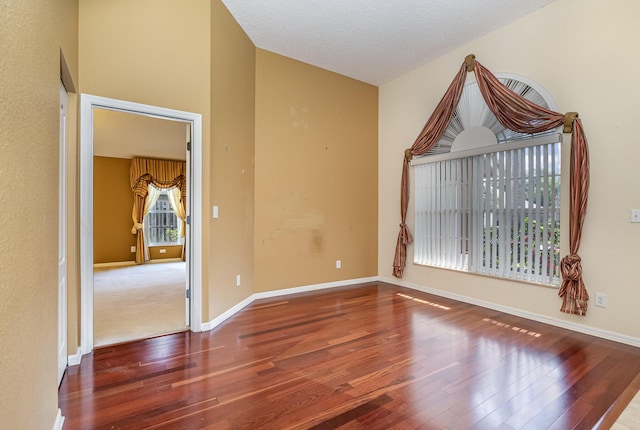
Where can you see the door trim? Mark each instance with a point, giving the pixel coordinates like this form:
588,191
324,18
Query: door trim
87,104
62,236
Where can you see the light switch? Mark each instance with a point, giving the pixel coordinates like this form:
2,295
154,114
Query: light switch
635,215
215,211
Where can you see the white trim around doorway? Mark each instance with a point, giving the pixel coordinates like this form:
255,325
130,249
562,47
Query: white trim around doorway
87,104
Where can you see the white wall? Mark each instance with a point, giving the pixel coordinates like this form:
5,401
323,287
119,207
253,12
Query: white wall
584,52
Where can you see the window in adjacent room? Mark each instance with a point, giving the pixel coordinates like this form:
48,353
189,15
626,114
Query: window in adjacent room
161,223
488,199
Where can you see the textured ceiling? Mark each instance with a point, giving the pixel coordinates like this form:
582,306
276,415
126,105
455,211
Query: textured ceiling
373,41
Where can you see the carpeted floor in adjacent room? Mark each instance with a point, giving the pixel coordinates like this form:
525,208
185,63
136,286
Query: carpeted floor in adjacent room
138,301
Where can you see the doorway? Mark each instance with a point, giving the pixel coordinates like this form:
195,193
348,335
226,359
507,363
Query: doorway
90,107
140,300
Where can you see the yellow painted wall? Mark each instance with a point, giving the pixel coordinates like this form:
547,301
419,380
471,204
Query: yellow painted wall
148,57
148,51
112,205
155,52
31,36
148,68
316,175
117,137
582,52
229,167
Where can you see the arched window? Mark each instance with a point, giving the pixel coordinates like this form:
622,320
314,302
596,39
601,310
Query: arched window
488,198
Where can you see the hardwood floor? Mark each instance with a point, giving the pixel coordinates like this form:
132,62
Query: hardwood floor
372,356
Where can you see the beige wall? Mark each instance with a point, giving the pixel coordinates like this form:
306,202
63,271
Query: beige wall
127,135
582,53
112,204
229,167
316,175
31,36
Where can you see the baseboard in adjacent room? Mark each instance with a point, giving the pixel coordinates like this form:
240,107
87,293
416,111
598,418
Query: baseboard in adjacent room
115,264
164,260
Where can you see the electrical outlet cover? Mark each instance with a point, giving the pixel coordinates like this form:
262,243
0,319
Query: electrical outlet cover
601,300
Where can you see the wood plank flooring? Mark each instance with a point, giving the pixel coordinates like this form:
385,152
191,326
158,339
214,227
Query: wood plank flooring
371,356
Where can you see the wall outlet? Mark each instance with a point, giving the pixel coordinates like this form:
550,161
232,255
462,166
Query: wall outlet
163,251
133,248
237,280
338,264
601,300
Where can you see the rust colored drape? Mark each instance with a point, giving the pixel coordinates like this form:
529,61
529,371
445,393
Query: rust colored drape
521,115
573,290
162,174
427,138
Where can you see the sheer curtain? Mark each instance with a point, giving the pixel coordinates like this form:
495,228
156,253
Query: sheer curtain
178,206
152,197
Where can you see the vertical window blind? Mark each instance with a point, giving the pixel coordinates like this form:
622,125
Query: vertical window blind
495,213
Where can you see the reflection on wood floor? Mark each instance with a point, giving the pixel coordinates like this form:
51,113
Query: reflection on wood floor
138,301
371,356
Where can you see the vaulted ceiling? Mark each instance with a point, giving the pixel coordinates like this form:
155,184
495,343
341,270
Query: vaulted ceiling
373,41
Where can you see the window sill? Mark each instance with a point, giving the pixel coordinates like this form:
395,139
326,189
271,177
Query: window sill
486,275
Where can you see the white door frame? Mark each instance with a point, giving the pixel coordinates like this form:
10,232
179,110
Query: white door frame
187,228
62,236
87,104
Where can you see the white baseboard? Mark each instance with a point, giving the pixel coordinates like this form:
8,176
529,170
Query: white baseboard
74,360
307,288
115,264
164,260
59,421
227,314
276,293
580,328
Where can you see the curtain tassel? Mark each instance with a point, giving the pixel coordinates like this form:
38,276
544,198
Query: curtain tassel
569,118
469,60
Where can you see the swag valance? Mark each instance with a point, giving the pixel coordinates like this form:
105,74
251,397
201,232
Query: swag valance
162,174
521,115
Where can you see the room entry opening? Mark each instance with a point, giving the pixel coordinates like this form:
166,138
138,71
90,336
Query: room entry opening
175,264
140,204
